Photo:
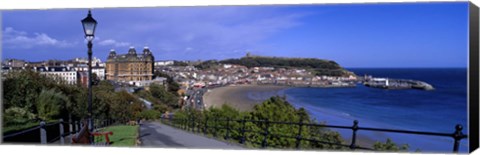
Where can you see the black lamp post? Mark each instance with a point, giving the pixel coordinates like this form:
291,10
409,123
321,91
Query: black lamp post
89,25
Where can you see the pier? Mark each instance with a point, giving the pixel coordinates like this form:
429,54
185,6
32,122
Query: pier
387,83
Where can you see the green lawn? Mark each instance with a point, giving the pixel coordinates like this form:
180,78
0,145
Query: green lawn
123,135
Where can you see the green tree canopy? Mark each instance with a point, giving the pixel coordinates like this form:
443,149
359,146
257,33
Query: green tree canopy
50,103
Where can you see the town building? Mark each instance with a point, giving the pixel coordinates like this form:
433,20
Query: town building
147,83
95,61
131,67
83,78
14,63
6,70
164,63
65,74
37,64
97,70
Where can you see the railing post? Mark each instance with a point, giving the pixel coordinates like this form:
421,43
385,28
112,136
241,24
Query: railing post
76,126
215,127
265,134
70,129
169,120
187,123
177,123
180,123
354,134
62,138
43,133
198,125
299,134
90,125
228,129
193,124
184,124
242,140
205,128
457,136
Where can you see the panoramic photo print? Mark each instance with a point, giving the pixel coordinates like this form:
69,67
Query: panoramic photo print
339,77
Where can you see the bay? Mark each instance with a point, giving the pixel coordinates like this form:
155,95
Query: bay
434,111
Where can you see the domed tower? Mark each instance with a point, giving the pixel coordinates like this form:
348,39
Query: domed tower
147,54
111,70
112,54
132,51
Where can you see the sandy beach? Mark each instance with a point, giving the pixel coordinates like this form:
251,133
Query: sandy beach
241,97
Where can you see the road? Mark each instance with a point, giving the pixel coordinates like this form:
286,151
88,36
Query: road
154,134
196,98
147,104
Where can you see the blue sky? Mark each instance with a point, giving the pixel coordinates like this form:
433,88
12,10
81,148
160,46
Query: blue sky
354,35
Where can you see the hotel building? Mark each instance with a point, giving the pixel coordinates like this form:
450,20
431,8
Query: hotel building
130,68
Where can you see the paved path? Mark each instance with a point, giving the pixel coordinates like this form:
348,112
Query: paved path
154,134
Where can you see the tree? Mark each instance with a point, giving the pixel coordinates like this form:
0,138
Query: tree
103,99
125,105
172,86
16,116
150,114
389,145
136,109
275,109
162,108
50,103
23,89
80,106
159,92
95,79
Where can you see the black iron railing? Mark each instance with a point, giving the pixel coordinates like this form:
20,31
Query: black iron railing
213,125
52,132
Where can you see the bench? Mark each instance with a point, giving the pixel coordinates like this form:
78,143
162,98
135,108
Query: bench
83,137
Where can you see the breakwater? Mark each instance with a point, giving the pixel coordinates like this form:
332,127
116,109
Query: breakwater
388,83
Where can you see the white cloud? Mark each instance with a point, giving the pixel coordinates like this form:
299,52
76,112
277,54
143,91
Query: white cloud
20,39
111,42
203,30
10,30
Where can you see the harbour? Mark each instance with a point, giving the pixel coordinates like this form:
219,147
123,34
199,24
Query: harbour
390,83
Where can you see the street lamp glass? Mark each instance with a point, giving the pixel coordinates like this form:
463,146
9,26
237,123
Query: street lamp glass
89,25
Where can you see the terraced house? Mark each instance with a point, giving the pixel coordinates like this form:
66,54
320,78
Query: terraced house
130,68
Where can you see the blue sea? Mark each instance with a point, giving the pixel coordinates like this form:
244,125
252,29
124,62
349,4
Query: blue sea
434,111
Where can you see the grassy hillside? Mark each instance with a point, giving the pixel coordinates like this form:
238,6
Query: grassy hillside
317,66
